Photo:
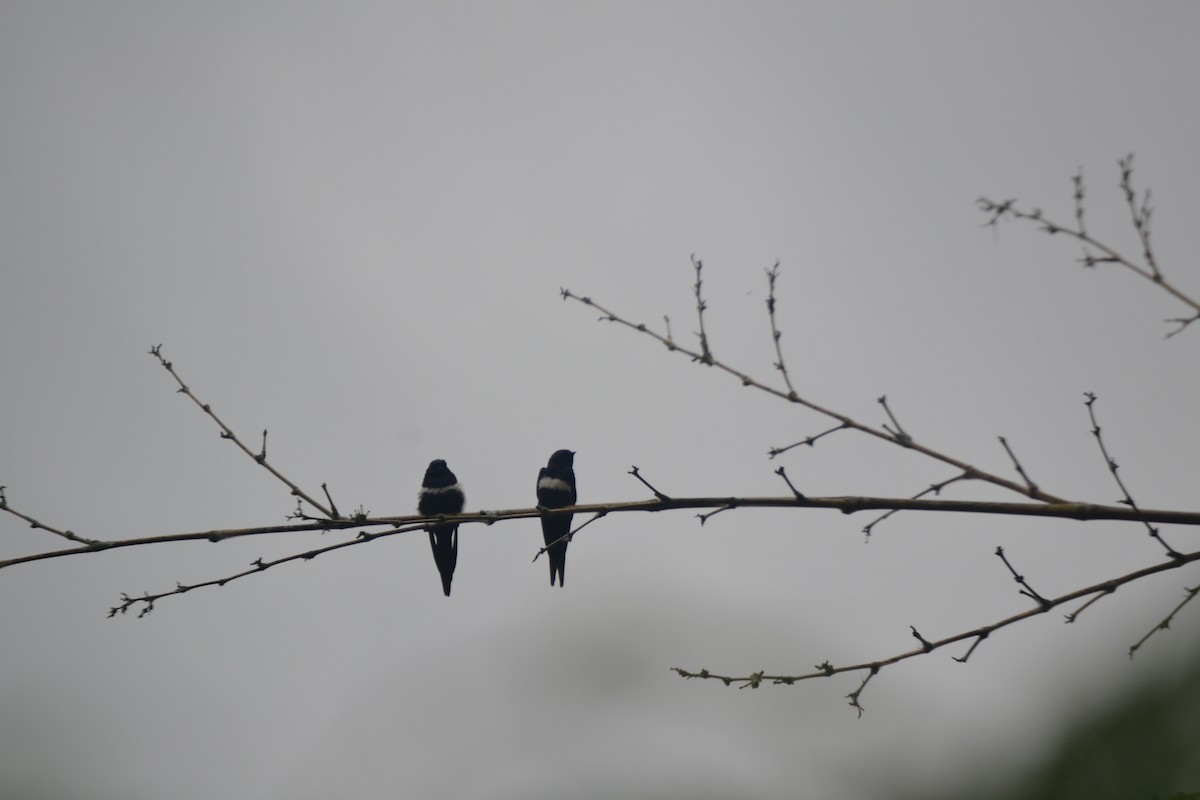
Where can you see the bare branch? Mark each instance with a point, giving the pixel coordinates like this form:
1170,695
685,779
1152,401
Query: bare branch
772,277
1112,467
781,472
810,441
826,669
854,696
1027,590
324,488
1181,322
259,458
569,536
846,421
898,433
1074,615
933,488
634,472
92,544
846,505
1140,212
705,354
1077,179
1017,464
1190,594
148,600
967,655
706,517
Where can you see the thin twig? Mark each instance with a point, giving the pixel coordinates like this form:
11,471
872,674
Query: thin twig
933,488
258,565
1140,212
1077,179
1166,623
826,669
1027,590
1017,464
772,277
967,655
925,643
706,517
854,696
898,433
324,488
1112,467
706,355
634,472
810,441
847,422
1181,322
1074,615
781,472
569,535
71,536
259,458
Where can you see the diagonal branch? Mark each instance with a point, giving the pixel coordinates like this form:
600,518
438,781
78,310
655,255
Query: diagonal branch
569,535
258,565
1189,596
846,421
635,473
71,536
933,488
896,431
826,669
260,457
1140,213
810,441
1017,464
1026,589
1112,467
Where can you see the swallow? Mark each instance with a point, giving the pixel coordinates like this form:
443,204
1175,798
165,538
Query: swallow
555,489
441,494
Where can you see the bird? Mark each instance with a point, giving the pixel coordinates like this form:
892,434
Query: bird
441,494
555,489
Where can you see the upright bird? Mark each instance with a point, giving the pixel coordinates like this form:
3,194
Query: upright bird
555,489
441,494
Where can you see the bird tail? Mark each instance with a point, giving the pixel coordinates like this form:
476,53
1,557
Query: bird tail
558,562
553,529
443,539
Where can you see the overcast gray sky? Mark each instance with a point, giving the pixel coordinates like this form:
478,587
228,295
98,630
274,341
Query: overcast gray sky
348,223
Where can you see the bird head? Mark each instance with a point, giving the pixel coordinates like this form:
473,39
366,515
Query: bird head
562,459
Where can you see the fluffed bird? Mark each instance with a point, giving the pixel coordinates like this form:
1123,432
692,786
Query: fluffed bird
555,489
441,494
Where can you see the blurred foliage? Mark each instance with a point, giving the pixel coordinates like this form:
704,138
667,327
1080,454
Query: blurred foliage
1143,745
